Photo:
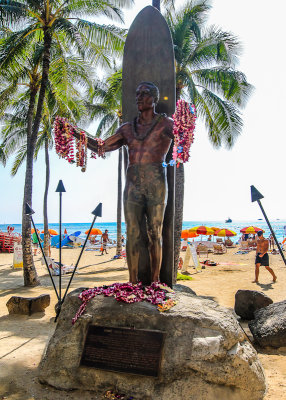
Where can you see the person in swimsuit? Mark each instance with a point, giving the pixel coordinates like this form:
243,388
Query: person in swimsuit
262,257
104,240
148,139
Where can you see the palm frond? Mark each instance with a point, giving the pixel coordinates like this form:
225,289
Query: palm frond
105,125
19,159
79,8
216,47
222,119
229,83
11,12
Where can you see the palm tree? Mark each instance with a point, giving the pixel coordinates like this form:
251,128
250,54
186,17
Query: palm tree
54,23
206,75
62,98
106,104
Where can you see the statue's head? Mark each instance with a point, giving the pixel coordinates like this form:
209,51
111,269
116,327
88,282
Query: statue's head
153,90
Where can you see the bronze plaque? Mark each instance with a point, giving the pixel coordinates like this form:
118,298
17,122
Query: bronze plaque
134,351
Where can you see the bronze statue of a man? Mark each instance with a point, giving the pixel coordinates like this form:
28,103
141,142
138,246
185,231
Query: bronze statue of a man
148,139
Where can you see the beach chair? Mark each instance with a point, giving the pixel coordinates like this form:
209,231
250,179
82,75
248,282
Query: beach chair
244,246
252,244
229,243
54,267
201,249
219,249
219,240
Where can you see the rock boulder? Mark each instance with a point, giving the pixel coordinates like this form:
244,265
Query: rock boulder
248,301
205,355
269,326
28,305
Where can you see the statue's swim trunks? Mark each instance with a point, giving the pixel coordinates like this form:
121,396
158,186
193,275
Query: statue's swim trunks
146,184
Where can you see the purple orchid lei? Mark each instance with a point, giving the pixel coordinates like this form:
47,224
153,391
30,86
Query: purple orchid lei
157,293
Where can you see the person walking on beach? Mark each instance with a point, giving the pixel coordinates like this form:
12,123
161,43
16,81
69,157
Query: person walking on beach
104,240
262,257
35,243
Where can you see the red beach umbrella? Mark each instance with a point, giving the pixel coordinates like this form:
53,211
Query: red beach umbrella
202,230
251,229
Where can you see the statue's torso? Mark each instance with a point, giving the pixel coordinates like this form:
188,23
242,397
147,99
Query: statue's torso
152,148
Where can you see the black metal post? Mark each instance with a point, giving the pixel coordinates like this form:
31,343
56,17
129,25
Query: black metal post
29,211
97,213
271,230
156,4
257,196
60,189
60,249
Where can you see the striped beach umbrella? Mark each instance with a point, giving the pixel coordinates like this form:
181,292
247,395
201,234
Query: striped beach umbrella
202,230
225,233
186,234
251,229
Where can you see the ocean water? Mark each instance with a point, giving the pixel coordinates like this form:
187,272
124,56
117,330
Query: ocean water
279,227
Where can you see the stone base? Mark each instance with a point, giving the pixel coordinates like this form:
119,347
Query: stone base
28,305
205,356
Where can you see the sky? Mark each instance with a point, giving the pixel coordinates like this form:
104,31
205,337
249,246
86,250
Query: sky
217,181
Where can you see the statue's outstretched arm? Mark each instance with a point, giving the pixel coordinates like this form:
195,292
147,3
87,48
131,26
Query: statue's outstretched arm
114,142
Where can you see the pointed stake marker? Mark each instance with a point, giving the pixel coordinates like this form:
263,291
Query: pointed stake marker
29,211
97,213
98,210
257,196
60,188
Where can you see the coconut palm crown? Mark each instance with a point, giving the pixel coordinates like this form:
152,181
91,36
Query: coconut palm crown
206,74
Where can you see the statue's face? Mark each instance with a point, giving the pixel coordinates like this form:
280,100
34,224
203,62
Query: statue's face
144,98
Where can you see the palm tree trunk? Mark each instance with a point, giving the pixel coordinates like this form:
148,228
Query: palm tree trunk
156,4
44,80
45,211
119,203
30,274
29,270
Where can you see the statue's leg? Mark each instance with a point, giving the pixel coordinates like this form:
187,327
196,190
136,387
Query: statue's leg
134,218
155,217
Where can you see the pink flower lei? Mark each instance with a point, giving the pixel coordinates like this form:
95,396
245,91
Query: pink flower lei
64,143
183,131
157,293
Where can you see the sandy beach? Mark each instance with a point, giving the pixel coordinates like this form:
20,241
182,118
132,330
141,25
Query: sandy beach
23,339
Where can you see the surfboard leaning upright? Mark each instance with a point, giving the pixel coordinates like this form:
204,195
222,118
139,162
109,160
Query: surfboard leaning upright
149,56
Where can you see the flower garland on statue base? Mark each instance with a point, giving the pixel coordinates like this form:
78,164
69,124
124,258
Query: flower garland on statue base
157,293
183,131
64,143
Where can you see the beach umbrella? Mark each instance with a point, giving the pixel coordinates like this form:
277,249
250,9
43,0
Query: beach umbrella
251,229
33,231
186,234
202,230
214,228
94,231
225,232
51,231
